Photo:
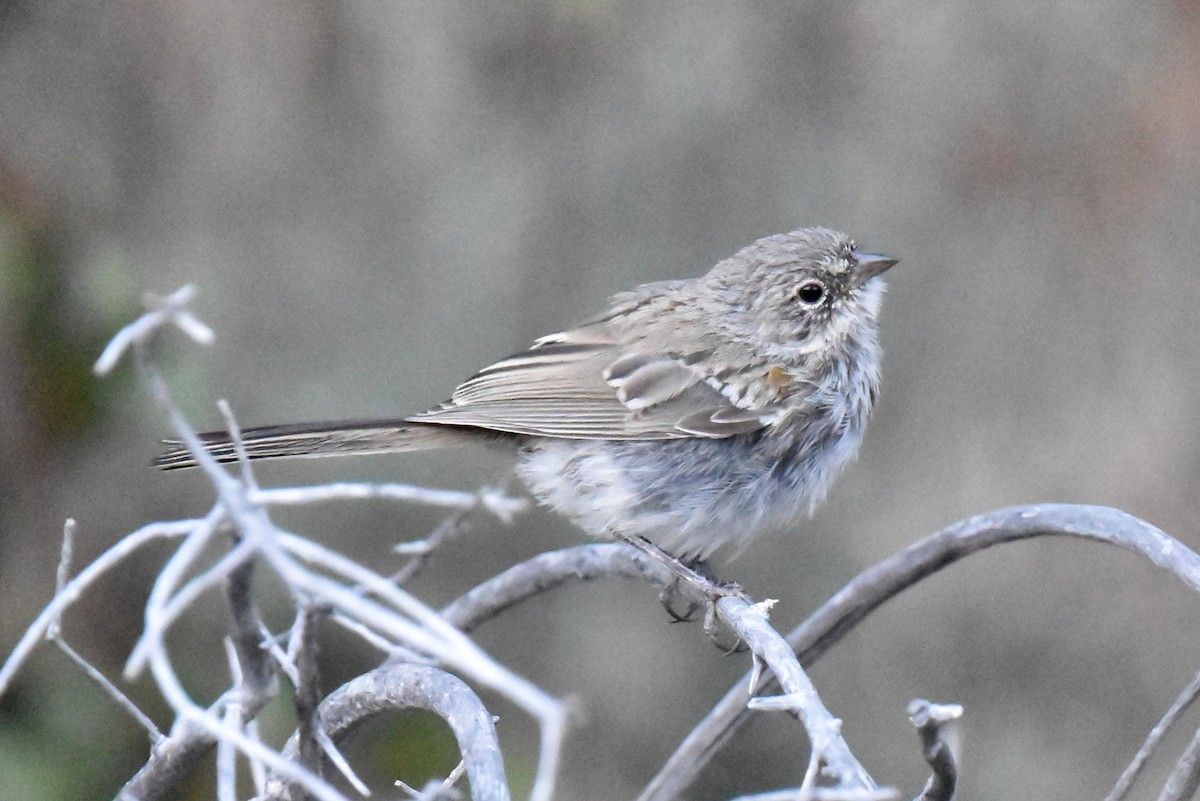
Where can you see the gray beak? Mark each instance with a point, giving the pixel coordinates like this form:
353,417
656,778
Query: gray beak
869,265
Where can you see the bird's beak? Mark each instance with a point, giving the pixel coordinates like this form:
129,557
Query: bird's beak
869,265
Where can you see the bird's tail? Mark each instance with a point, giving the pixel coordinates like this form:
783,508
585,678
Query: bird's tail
318,439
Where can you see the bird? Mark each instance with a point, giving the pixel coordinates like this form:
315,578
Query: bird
693,414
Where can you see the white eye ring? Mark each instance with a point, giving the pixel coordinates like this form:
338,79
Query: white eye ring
811,292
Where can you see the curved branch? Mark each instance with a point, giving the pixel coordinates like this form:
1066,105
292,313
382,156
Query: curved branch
873,587
747,621
395,687
549,570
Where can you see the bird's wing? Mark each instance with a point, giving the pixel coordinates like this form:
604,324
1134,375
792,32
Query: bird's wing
582,384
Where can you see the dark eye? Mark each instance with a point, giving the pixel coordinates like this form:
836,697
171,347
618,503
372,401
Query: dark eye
811,292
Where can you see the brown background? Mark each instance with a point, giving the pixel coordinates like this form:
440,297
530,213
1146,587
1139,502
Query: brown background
375,199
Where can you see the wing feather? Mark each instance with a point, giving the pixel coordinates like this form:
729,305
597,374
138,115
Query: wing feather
582,384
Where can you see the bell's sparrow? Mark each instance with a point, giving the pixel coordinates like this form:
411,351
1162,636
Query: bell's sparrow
693,413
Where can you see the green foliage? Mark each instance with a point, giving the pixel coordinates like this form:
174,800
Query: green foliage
57,333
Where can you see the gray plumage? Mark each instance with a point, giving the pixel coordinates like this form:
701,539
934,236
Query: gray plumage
694,413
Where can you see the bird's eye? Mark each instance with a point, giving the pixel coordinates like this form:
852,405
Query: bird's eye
811,292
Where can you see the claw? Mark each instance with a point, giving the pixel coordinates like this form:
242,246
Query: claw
669,596
698,575
711,628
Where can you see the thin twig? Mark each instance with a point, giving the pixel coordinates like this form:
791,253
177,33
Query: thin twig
931,722
54,635
422,551
396,687
329,747
503,506
172,310
70,593
1184,780
1169,718
308,689
227,754
749,623
108,688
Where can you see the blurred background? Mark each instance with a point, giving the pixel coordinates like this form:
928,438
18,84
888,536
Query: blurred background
375,199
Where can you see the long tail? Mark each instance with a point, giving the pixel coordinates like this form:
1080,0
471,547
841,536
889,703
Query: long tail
320,439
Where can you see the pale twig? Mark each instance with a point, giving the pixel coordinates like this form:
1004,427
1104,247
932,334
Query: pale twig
258,538
171,309
63,574
54,635
194,723
867,591
547,571
1184,780
411,791
163,608
1169,718
157,620
460,770
503,506
749,623
384,645
396,687
243,702
227,755
239,447
109,689
257,772
931,722
71,592
822,794
433,634
341,763
421,551
284,660
213,726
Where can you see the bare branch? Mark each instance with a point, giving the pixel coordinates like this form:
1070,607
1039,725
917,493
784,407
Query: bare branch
822,794
421,551
1184,780
308,690
747,621
172,310
107,687
54,635
74,589
505,507
398,687
547,571
1169,718
873,587
931,721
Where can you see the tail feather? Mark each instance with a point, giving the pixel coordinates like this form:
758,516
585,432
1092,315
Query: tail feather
319,439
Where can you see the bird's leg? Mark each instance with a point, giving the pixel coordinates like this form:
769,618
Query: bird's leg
698,575
670,597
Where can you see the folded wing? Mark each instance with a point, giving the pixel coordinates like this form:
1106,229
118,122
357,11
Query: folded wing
581,385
